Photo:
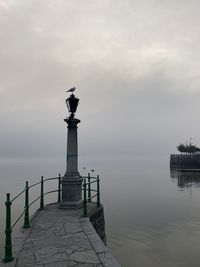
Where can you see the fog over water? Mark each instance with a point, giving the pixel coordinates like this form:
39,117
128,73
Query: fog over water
135,64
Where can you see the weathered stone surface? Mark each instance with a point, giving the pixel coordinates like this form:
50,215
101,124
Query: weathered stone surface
85,257
108,260
60,238
26,258
8,264
72,264
98,222
57,264
88,228
74,227
97,244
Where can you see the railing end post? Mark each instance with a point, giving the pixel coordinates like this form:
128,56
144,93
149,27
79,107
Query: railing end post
89,188
8,231
42,193
85,213
26,207
8,258
59,188
98,192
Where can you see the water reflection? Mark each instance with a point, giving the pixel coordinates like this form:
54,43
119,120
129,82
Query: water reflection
185,178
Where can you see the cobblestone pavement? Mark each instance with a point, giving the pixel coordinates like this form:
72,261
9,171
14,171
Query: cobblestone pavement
60,238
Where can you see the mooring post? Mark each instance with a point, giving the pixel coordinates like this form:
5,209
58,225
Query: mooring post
42,194
59,188
85,214
89,188
26,207
98,192
8,240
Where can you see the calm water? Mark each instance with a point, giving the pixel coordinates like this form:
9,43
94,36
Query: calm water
152,219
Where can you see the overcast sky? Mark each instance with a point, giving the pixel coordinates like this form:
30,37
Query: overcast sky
135,64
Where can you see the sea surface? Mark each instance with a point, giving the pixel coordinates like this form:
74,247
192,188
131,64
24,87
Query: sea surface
152,215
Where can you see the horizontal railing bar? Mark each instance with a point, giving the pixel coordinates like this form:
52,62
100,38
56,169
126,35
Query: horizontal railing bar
53,191
92,190
89,189
90,182
86,177
18,195
34,184
91,197
53,178
17,220
34,201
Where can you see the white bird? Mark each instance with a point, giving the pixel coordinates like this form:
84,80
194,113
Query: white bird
71,89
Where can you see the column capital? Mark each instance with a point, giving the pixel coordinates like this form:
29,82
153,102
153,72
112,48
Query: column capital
72,122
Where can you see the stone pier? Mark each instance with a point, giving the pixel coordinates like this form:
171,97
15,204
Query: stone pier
62,238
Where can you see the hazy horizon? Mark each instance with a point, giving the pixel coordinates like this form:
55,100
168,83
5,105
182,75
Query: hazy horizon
134,63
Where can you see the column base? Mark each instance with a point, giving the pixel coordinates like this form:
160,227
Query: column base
71,192
71,205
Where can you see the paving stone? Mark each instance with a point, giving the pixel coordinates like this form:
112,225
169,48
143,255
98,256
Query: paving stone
45,255
43,226
73,227
57,264
73,247
85,265
97,244
26,258
72,264
37,236
61,250
37,265
108,260
85,257
84,219
69,251
8,264
88,228
28,246
67,236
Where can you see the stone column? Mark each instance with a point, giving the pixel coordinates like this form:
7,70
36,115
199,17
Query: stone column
72,181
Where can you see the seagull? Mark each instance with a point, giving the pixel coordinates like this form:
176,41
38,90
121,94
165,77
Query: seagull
71,89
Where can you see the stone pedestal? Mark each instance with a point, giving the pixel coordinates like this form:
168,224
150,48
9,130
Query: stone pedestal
72,181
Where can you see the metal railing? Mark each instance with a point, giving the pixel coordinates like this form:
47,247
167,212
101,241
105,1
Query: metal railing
89,192
9,225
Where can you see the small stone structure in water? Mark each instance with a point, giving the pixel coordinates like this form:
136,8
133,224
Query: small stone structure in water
187,161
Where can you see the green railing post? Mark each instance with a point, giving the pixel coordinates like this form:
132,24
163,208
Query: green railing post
98,192
59,188
89,188
42,193
85,214
8,240
26,208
